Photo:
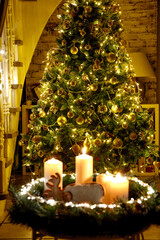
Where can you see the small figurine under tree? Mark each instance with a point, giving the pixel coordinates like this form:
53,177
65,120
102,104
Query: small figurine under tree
89,96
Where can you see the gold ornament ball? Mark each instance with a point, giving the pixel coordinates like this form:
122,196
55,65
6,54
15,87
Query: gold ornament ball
73,83
36,139
60,91
45,127
132,117
88,9
42,113
76,149
32,116
125,125
113,80
117,143
97,142
132,136
61,120
66,24
85,77
114,109
40,154
94,87
53,109
64,42
102,109
74,50
70,114
111,57
80,120
87,47
21,143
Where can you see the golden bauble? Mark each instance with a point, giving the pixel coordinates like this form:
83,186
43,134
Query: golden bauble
42,113
87,47
64,42
123,43
66,70
53,109
113,80
80,120
114,109
149,160
66,24
97,142
85,77
111,57
32,116
60,91
74,50
94,87
82,32
125,125
88,9
117,143
61,120
45,127
132,136
102,109
73,83
70,114
40,154
132,117
36,139
76,149
21,143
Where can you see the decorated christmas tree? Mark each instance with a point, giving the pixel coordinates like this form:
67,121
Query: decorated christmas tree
89,95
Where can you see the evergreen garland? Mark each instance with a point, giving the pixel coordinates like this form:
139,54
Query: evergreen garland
61,219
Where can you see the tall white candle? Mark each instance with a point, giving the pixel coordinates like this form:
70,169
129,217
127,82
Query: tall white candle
119,188
105,181
84,168
51,167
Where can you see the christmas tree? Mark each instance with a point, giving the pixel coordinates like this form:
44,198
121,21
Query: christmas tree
89,96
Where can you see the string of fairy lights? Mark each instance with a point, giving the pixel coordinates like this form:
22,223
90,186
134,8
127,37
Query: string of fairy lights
25,190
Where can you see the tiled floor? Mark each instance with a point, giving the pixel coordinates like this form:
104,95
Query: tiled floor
10,231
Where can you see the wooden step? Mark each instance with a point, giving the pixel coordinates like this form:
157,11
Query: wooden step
16,86
11,134
4,195
14,109
8,162
17,64
18,42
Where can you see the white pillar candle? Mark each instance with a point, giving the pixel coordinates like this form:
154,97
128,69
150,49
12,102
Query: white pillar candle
51,167
84,168
105,181
119,188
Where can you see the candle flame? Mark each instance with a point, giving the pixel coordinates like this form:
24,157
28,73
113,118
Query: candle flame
84,150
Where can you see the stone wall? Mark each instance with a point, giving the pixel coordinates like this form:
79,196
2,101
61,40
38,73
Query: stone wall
140,30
